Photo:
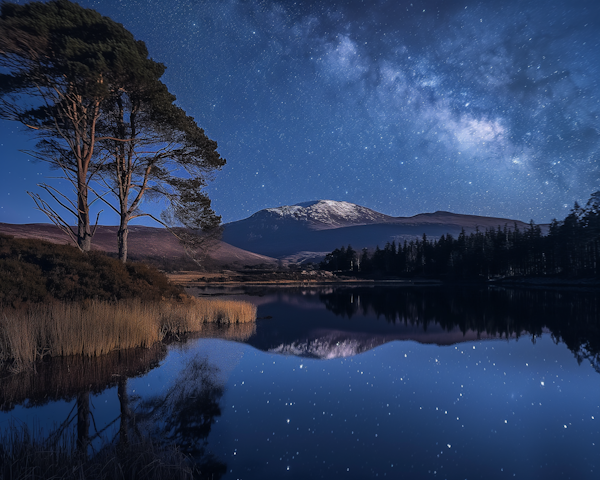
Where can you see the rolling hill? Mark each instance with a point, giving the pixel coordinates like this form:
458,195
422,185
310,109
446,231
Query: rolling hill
307,231
144,243
296,233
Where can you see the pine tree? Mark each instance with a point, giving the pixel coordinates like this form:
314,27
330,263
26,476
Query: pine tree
63,62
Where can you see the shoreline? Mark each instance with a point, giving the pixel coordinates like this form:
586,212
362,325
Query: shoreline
201,279
229,278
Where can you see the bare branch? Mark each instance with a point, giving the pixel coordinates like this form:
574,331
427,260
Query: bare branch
101,197
54,217
54,193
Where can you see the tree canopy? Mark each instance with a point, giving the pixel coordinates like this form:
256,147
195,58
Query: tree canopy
151,148
103,117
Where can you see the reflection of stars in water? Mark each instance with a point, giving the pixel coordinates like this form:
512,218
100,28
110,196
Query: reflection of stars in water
331,414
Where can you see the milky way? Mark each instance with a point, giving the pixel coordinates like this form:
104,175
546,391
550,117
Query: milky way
486,108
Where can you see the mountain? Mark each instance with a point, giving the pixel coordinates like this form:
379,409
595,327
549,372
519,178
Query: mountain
296,233
307,231
317,215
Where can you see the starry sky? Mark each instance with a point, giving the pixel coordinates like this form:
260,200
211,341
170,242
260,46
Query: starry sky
475,107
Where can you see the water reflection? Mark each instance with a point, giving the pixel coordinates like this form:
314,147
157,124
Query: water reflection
480,386
65,378
183,415
106,424
366,317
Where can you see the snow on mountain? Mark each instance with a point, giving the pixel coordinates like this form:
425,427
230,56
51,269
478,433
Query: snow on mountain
324,214
323,348
308,229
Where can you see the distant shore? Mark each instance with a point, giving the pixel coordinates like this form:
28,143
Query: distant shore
320,278
316,278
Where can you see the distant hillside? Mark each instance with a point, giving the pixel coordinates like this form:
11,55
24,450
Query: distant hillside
296,233
309,230
144,243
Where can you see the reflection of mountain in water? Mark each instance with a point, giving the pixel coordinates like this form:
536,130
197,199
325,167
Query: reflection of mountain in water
325,348
365,317
326,344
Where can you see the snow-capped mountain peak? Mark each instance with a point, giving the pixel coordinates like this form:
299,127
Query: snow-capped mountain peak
311,228
326,214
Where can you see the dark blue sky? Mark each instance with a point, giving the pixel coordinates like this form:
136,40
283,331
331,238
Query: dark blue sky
488,107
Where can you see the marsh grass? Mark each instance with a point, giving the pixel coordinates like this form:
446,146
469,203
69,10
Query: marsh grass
95,327
23,456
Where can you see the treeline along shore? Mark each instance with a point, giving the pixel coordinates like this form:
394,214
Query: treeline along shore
570,250
58,301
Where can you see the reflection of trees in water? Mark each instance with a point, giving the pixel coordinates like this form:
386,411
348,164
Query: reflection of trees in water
571,316
64,378
185,413
74,379
239,332
172,446
26,455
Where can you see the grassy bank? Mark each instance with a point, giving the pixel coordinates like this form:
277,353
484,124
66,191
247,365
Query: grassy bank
57,301
96,327
34,271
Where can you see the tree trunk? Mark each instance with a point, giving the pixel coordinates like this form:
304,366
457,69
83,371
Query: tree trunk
84,236
84,232
83,422
122,235
125,411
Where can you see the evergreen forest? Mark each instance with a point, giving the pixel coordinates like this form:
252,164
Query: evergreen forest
570,249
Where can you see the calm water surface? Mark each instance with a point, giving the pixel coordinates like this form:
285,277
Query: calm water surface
354,383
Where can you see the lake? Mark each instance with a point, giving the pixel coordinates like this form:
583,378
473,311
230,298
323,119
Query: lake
351,382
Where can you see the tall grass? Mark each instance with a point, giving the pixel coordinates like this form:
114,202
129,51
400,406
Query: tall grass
23,456
93,328
189,316
66,377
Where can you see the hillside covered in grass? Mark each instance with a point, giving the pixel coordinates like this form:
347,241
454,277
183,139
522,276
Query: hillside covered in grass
56,301
39,271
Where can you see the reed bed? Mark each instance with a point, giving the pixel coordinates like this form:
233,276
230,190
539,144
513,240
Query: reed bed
239,332
24,456
94,327
179,318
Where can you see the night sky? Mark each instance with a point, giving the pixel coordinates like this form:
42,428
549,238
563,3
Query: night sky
487,107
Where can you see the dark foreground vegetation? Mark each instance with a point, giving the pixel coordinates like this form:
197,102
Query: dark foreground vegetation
23,457
571,249
57,301
38,271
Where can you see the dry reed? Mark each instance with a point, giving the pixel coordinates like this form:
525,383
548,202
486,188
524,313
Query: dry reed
24,455
95,328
